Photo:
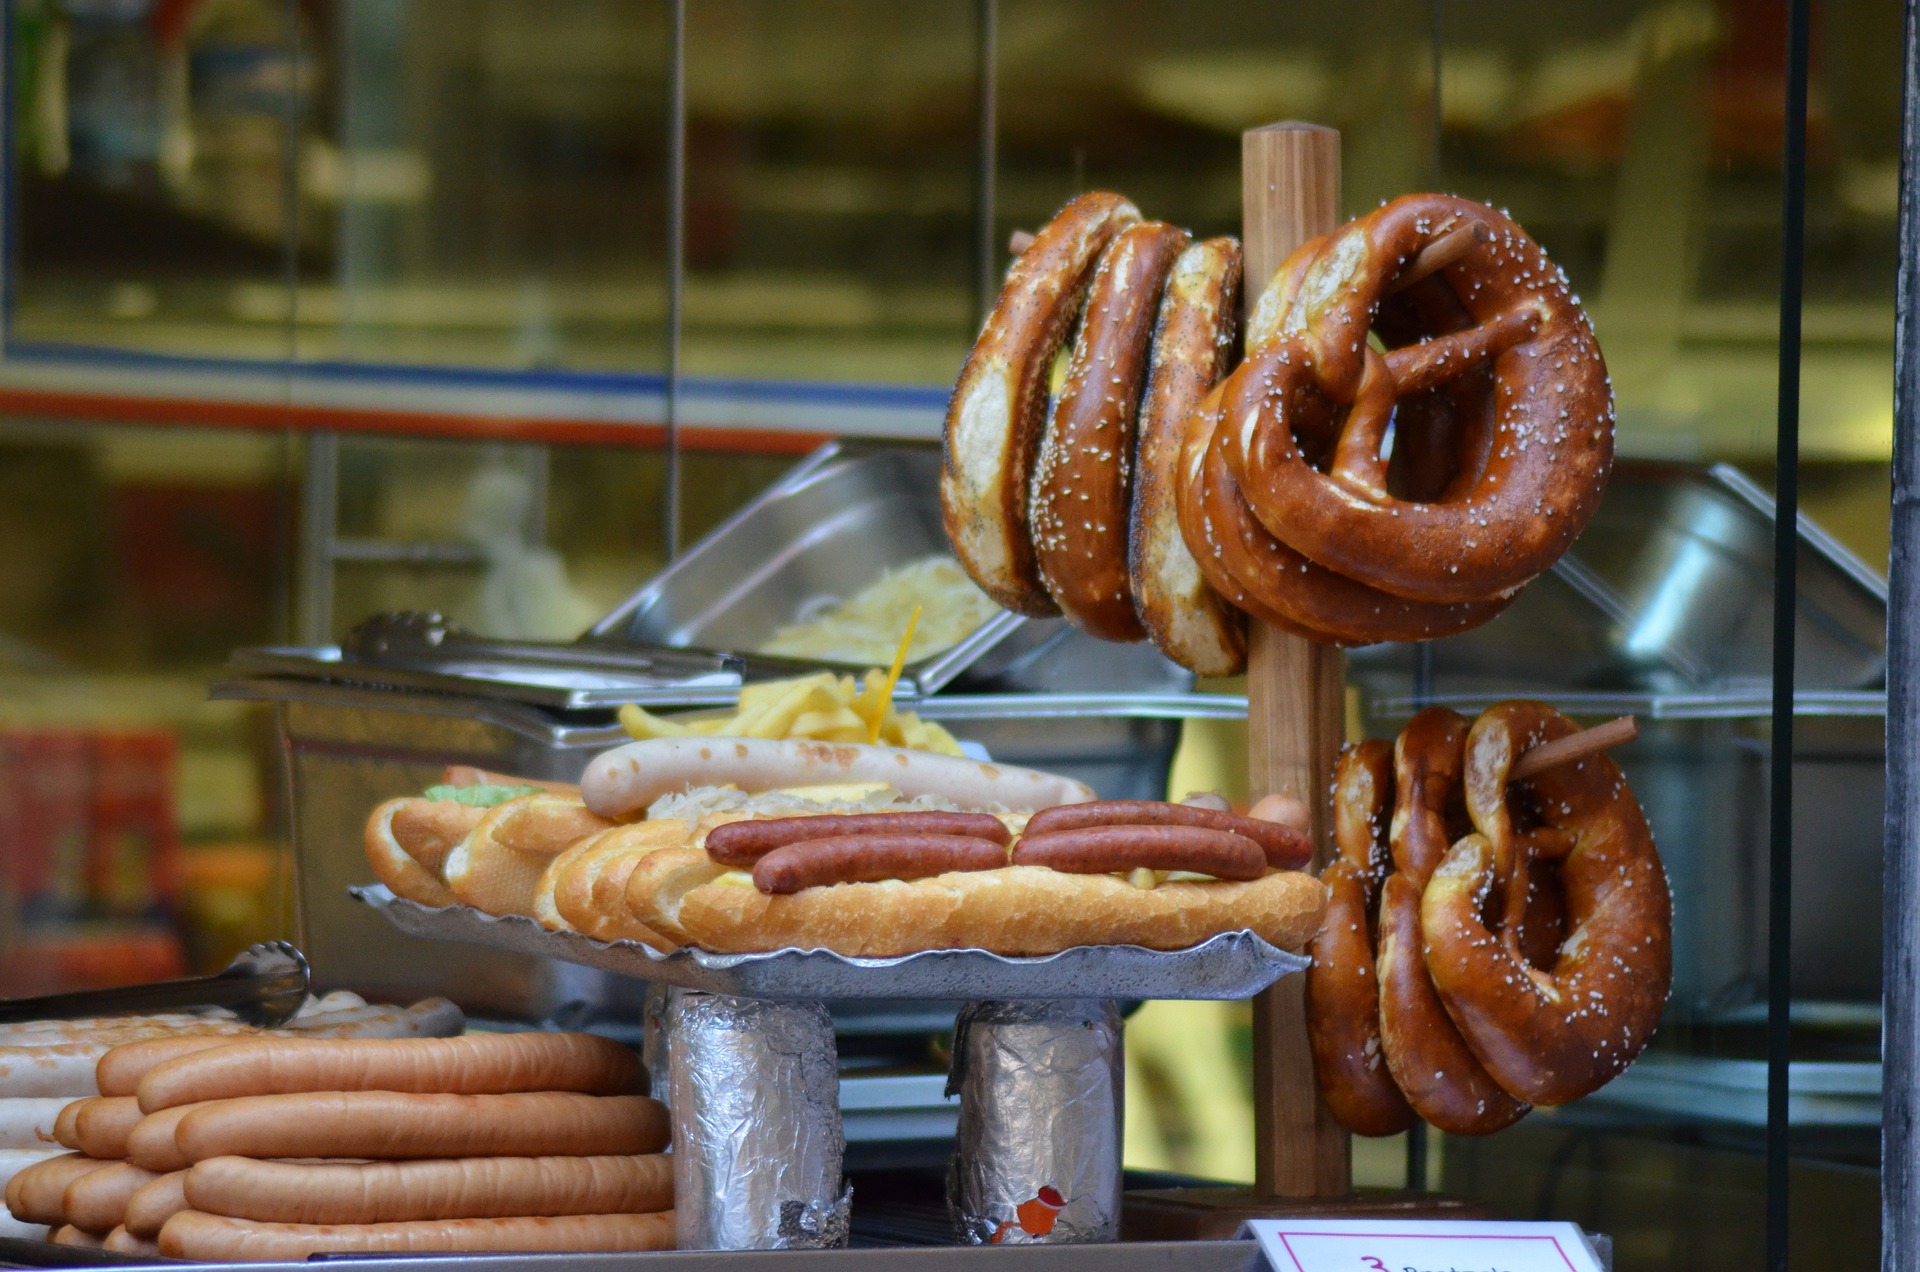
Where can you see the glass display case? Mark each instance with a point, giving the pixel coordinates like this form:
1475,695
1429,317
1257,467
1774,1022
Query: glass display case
320,308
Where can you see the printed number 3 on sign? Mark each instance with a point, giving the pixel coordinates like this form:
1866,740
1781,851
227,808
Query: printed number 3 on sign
1402,1245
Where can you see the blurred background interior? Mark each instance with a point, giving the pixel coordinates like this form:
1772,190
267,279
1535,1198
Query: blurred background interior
319,309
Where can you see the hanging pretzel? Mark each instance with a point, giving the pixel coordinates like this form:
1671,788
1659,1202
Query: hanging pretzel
1192,350
1513,505
1431,1063
1550,1035
1275,584
999,405
1343,1017
1083,480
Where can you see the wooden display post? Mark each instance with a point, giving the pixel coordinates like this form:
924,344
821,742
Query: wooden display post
1296,722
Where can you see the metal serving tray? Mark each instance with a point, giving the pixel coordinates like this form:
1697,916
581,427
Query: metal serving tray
849,512
1232,965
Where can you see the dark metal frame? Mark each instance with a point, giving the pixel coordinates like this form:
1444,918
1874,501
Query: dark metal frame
1900,1024
1786,545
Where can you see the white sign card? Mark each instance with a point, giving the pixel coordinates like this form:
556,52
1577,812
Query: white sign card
1420,1245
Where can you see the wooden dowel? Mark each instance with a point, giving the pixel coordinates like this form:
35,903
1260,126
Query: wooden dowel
1575,746
1296,696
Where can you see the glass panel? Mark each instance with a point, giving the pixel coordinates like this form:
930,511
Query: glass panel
149,182
138,828
524,542
1642,146
831,167
490,189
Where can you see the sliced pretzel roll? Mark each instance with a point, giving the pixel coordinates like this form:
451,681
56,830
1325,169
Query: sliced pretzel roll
998,408
1083,480
1192,348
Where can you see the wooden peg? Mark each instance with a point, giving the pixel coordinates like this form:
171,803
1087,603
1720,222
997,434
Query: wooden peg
1296,694
1575,746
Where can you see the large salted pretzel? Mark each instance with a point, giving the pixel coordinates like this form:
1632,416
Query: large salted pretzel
1279,494
1549,1034
1512,951
1431,1063
1526,476
1343,1000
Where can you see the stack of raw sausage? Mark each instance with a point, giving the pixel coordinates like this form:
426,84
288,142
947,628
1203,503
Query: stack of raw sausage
273,1149
1323,487
70,1084
1489,946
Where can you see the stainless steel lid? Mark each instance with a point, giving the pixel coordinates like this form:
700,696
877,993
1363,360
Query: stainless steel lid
842,518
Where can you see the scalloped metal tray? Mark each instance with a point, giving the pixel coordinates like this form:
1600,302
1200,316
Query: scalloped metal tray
1230,966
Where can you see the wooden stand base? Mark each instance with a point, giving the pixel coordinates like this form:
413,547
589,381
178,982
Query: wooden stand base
1215,1214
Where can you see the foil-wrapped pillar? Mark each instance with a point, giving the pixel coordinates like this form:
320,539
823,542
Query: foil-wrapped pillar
757,1143
1039,1137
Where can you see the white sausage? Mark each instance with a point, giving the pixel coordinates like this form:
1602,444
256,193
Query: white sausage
623,781
27,1121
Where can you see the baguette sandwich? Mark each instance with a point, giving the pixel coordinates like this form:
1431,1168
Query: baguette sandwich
909,851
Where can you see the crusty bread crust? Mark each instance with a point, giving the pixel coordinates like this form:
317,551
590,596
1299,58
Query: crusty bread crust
1192,348
392,864
580,877
498,867
1020,910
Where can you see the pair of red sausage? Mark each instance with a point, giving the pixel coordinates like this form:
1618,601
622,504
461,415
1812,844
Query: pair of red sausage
791,853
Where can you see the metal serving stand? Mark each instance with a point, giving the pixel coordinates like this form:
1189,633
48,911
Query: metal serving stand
1079,988
406,696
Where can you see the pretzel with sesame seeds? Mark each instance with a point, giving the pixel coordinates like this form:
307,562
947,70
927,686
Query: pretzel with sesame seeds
1550,1035
1534,438
1342,994
998,408
1083,479
1193,348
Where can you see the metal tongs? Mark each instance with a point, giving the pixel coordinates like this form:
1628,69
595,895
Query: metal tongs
429,641
265,985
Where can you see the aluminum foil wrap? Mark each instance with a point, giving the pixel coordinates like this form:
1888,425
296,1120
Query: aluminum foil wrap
653,1041
757,1144
1040,1087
